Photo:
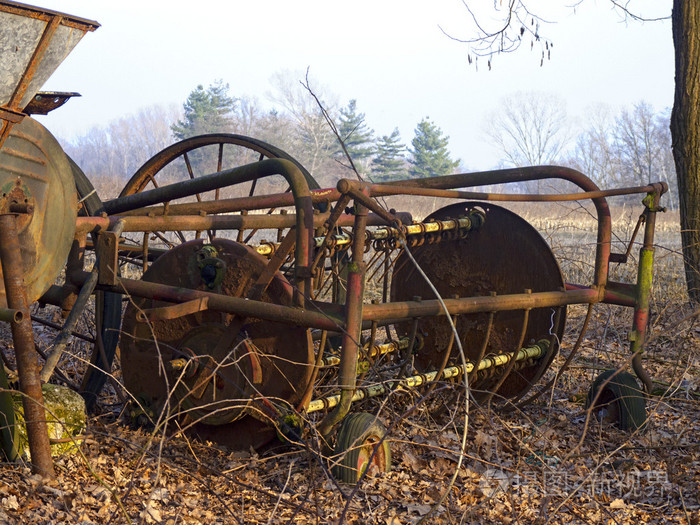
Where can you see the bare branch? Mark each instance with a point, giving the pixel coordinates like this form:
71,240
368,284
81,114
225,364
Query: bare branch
634,16
516,21
331,124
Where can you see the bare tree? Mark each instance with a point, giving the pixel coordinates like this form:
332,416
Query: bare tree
633,148
644,144
248,116
685,116
529,128
594,151
637,136
315,141
110,155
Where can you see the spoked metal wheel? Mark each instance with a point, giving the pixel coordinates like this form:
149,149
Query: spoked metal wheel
203,155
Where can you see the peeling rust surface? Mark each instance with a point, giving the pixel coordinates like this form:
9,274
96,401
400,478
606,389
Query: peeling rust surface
505,256
230,359
46,101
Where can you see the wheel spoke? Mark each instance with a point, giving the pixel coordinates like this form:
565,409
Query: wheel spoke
191,173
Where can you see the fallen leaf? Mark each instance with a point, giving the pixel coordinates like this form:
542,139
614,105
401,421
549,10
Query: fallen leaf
618,504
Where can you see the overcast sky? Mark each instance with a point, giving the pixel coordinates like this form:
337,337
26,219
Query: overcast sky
390,55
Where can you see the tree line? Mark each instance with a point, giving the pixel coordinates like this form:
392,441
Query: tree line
631,147
296,124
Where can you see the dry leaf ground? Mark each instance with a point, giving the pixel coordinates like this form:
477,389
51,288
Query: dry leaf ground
544,463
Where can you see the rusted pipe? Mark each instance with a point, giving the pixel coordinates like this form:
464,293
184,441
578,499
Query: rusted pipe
469,305
347,377
645,271
620,294
236,204
61,340
174,311
10,315
483,178
190,222
23,338
382,190
221,303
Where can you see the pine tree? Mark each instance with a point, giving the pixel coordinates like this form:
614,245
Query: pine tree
389,164
430,155
207,110
357,137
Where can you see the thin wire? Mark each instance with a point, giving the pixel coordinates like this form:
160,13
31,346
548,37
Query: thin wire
551,327
402,242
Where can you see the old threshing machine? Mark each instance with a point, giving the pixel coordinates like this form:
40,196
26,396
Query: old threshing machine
243,299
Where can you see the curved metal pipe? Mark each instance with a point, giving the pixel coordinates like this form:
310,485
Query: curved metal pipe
264,168
466,180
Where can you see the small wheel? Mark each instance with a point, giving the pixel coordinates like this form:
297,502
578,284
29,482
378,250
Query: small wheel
621,401
359,435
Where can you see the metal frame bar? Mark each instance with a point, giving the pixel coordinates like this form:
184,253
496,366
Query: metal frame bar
136,213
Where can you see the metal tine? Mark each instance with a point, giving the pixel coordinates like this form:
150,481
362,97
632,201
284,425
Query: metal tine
367,355
335,283
567,361
445,358
328,281
163,238
335,215
309,391
385,276
409,350
511,360
375,256
482,350
386,270
544,359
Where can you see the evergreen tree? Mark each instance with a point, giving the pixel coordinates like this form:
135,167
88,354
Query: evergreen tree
207,110
389,163
430,155
357,137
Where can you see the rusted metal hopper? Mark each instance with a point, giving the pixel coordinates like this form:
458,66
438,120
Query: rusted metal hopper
35,176
33,43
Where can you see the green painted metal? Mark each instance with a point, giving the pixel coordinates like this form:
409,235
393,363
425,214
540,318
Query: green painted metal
8,426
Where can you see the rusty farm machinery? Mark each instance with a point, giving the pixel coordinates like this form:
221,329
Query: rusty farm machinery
244,301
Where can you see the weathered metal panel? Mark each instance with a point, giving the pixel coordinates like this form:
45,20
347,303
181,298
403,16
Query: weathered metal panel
21,30
36,180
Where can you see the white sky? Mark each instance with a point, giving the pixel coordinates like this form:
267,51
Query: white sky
390,55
